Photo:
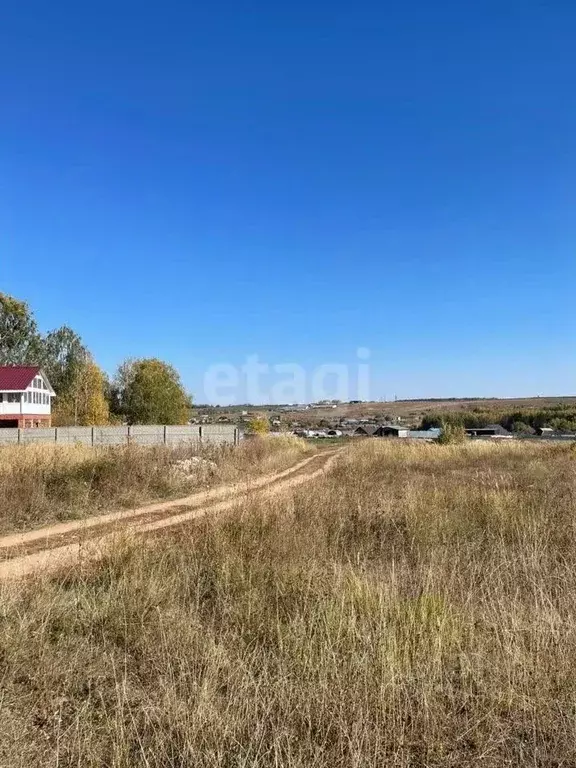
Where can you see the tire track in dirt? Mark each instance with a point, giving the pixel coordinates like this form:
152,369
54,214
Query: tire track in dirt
66,544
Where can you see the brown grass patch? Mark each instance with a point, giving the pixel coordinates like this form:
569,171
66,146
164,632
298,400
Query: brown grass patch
415,607
48,483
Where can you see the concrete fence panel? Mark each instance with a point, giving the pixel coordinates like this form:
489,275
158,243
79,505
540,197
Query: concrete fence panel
219,434
146,434
103,436
153,434
9,436
186,433
72,435
37,436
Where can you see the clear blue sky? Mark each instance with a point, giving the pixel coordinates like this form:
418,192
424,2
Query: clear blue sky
204,181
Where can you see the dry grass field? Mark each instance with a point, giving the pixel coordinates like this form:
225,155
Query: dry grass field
415,606
40,484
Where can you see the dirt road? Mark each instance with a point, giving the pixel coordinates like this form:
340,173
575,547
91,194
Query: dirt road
66,544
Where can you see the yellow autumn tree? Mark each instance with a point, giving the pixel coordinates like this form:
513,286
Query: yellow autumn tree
259,425
85,403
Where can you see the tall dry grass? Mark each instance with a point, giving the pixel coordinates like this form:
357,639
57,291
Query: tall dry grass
415,607
45,483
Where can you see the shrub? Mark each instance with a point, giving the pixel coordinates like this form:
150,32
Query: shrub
452,433
260,425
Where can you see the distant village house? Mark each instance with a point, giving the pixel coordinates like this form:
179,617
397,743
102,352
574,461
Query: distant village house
491,430
366,430
392,431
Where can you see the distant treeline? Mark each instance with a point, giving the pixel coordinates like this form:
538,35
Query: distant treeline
441,399
476,399
561,417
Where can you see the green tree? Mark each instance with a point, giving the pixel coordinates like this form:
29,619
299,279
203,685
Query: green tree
149,391
20,342
119,388
64,356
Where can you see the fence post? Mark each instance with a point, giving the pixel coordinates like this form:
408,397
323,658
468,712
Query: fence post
19,434
200,434
92,437
55,434
164,434
128,434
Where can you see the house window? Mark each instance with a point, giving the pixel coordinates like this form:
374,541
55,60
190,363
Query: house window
14,397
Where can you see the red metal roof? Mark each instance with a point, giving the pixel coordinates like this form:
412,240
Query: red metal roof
17,377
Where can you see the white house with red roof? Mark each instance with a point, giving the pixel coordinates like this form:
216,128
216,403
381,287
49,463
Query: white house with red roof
25,396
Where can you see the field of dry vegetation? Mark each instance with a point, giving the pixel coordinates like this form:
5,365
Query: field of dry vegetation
40,484
416,606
